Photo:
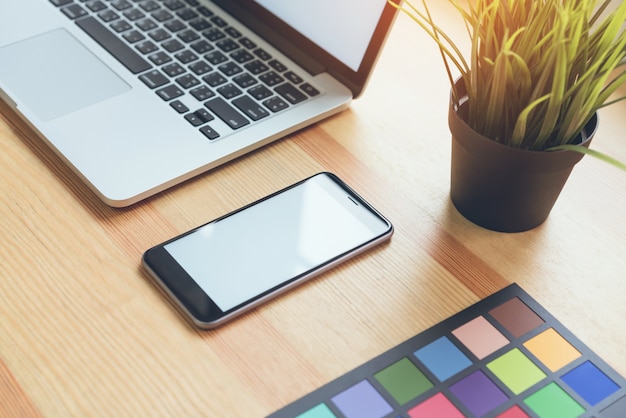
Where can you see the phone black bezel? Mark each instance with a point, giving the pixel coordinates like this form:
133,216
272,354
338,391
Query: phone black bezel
197,304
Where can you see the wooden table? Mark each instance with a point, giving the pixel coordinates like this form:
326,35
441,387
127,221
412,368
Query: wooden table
86,333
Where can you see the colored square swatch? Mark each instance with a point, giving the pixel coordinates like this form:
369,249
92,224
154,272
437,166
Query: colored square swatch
515,412
480,337
437,406
404,381
478,393
443,358
552,349
362,401
516,317
590,383
552,402
516,371
319,411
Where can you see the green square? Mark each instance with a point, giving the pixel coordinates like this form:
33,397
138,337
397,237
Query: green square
404,381
553,402
516,371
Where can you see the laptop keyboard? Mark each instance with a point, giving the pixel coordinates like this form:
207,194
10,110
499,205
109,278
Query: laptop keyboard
193,59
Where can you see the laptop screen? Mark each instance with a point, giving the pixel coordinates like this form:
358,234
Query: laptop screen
340,37
342,28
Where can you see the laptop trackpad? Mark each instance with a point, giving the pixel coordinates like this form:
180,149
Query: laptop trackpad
54,74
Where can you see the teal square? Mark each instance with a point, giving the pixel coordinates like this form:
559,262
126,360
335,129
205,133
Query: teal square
319,411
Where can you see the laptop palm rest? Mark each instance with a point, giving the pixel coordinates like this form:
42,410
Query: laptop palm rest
53,74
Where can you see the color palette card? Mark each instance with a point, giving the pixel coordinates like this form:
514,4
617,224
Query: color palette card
504,357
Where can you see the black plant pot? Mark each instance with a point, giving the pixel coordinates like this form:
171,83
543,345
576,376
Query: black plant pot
502,188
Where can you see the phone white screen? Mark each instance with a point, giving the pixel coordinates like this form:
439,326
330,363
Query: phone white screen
251,251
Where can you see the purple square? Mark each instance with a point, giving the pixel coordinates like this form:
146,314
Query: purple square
478,393
362,401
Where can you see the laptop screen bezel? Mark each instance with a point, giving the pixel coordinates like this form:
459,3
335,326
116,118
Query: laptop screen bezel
315,60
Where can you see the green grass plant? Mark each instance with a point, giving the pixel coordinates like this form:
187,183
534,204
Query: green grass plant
537,70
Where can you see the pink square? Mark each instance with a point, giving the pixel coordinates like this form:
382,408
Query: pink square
480,337
436,406
515,412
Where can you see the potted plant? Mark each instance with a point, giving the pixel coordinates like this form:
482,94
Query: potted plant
523,107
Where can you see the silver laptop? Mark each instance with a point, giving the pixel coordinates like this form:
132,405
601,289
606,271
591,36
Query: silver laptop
139,95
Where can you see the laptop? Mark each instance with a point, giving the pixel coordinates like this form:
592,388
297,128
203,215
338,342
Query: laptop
137,96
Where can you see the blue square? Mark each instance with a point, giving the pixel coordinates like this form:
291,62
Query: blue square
443,358
362,401
590,383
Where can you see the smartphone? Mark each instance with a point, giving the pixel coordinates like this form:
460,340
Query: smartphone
232,264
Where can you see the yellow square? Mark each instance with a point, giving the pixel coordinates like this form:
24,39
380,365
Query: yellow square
552,349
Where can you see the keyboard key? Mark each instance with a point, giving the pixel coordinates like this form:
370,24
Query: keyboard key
214,79
291,93
175,25
59,3
159,35
227,45
173,69
133,36
200,67
154,79
187,81
162,15
250,108
96,6
133,14
169,92
74,11
193,119
159,58
201,47
213,34
275,104
241,56
199,24
122,52
209,132
188,36
244,80
262,54
227,113
108,16
186,56
174,4
228,91
293,77
149,6
121,4
277,65
179,106
146,24
309,89
215,57
260,92
229,69
204,115
202,93
186,14
232,32
121,26
146,47
247,43
256,67
172,45
271,78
